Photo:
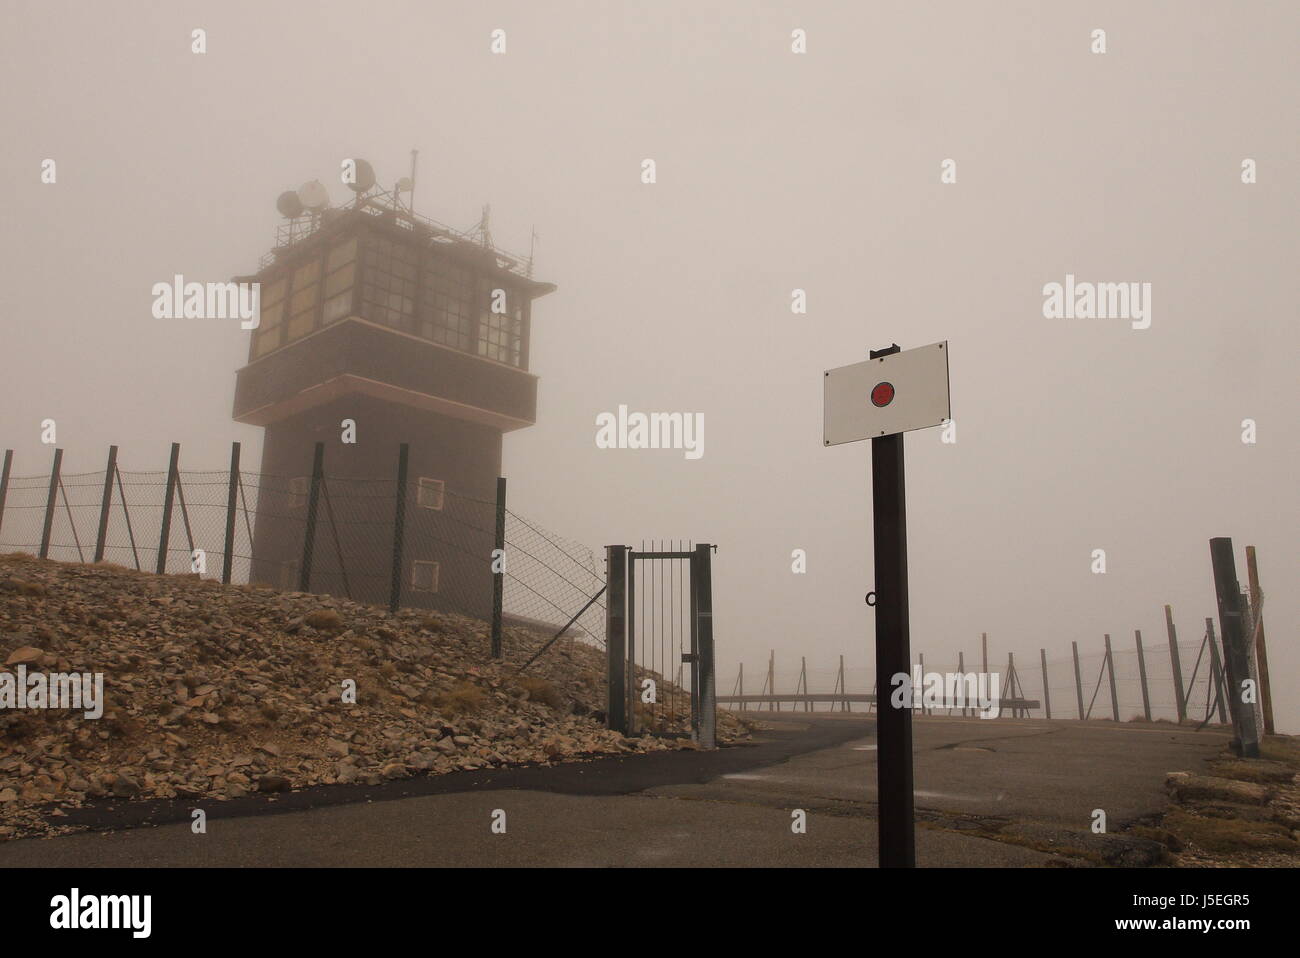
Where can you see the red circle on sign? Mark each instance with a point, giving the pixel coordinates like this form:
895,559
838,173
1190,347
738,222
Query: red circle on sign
883,394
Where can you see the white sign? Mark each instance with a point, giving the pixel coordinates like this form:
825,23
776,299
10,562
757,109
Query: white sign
887,395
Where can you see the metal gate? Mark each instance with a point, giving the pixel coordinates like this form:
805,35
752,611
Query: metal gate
659,642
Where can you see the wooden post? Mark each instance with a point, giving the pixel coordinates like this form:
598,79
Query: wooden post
771,682
740,684
1110,671
961,667
984,651
917,693
232,495
1047,695
164,536
49,503
105,502
1078,679
844,689
1261,651
1011,679
1142,675
1180,697
1236,663
1216,672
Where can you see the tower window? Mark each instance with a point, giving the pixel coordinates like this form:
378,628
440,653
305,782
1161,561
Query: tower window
388,291
424,575
499,333
429,494
447,306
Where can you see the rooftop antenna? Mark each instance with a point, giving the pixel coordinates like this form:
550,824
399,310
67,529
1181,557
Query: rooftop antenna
410,197
407,185
532,248
485,226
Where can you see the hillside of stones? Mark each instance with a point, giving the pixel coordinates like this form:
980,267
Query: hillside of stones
213,692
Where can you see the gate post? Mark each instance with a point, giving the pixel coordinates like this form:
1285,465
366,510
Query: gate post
616,638
702,587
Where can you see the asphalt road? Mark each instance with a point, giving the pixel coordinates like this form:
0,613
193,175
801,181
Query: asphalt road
729,807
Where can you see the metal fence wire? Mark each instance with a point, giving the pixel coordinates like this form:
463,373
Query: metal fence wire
1064,693
333,535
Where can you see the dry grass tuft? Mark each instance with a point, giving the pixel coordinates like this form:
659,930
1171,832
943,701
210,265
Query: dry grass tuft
462,700
325,620
540,690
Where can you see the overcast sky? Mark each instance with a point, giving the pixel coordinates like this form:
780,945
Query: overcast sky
775,171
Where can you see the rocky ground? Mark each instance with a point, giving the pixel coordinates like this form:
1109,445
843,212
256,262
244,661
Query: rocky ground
213,692
1238,812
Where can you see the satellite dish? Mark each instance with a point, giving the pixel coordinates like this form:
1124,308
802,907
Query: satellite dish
365,177
313,195
404,185
289,205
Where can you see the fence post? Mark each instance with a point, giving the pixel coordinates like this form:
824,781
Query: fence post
1078,679
771,681
232,495
164,536
616,638
1216,672
1142,675
49,503
1110,671
961,667
498,579
4,482
1180,697
702,586
917,693
1236,659
1047,696
313,506
399,528
105,504
1261,651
